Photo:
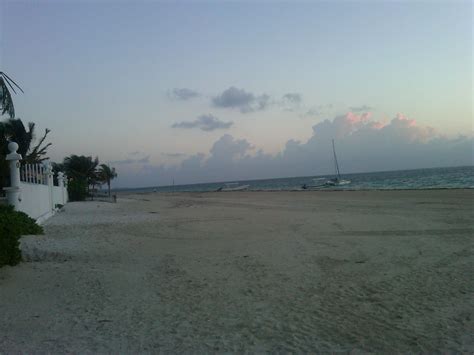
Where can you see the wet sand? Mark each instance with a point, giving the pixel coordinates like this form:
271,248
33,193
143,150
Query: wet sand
372,271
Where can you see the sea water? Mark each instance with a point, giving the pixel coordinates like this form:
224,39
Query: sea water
434,178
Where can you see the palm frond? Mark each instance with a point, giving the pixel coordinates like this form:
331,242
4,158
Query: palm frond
6,101
38,151
8,79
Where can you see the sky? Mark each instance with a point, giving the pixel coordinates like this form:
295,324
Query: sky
209,91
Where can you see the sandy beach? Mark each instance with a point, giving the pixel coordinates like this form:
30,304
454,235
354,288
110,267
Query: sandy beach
377,271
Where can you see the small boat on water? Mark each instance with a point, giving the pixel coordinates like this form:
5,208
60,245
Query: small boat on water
233,186
337,180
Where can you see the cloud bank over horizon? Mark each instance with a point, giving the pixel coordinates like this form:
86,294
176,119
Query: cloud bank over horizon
362,144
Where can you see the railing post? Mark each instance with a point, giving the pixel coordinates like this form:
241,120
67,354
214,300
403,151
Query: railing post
14,191
66,194
48,175
61,185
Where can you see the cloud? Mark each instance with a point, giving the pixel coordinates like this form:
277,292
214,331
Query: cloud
313,112
174,155
183,94
235,98
144,160
341,126
293,98
205,123
229,149
291,101
362,143
318,110
360,108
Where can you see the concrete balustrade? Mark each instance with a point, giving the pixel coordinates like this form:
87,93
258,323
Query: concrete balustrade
32,189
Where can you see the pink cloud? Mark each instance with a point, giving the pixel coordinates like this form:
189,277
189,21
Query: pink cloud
407,128
377,125
357,119
343,125
352,123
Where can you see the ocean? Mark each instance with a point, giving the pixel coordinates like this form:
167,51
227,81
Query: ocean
434,178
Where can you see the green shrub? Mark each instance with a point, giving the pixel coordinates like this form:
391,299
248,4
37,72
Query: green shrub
77,190
14,224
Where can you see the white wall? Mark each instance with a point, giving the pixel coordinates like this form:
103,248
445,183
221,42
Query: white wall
35,200
59,196
35,195
39,202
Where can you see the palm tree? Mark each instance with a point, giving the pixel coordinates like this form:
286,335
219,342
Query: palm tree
81,167
107,174
17,132
81,171
6,102
14,130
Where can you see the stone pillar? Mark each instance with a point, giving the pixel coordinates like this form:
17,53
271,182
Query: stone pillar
14,191
66,195
48,174
61,185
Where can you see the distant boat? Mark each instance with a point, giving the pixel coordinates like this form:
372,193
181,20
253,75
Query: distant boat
337,180
233,186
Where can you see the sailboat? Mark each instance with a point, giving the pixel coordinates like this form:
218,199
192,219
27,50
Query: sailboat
337,180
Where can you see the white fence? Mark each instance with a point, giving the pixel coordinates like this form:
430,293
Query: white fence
34,173
32,189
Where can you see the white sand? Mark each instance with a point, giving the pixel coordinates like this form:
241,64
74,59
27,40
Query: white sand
216,272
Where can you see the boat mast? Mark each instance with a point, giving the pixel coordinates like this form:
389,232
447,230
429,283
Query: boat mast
336,165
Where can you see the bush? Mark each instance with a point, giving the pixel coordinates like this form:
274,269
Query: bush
13,225
77,190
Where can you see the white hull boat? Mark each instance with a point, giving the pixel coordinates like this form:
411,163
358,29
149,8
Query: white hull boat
234,186
336,181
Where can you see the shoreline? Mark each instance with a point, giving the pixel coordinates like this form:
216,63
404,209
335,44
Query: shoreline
395,177
316,176
128,192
